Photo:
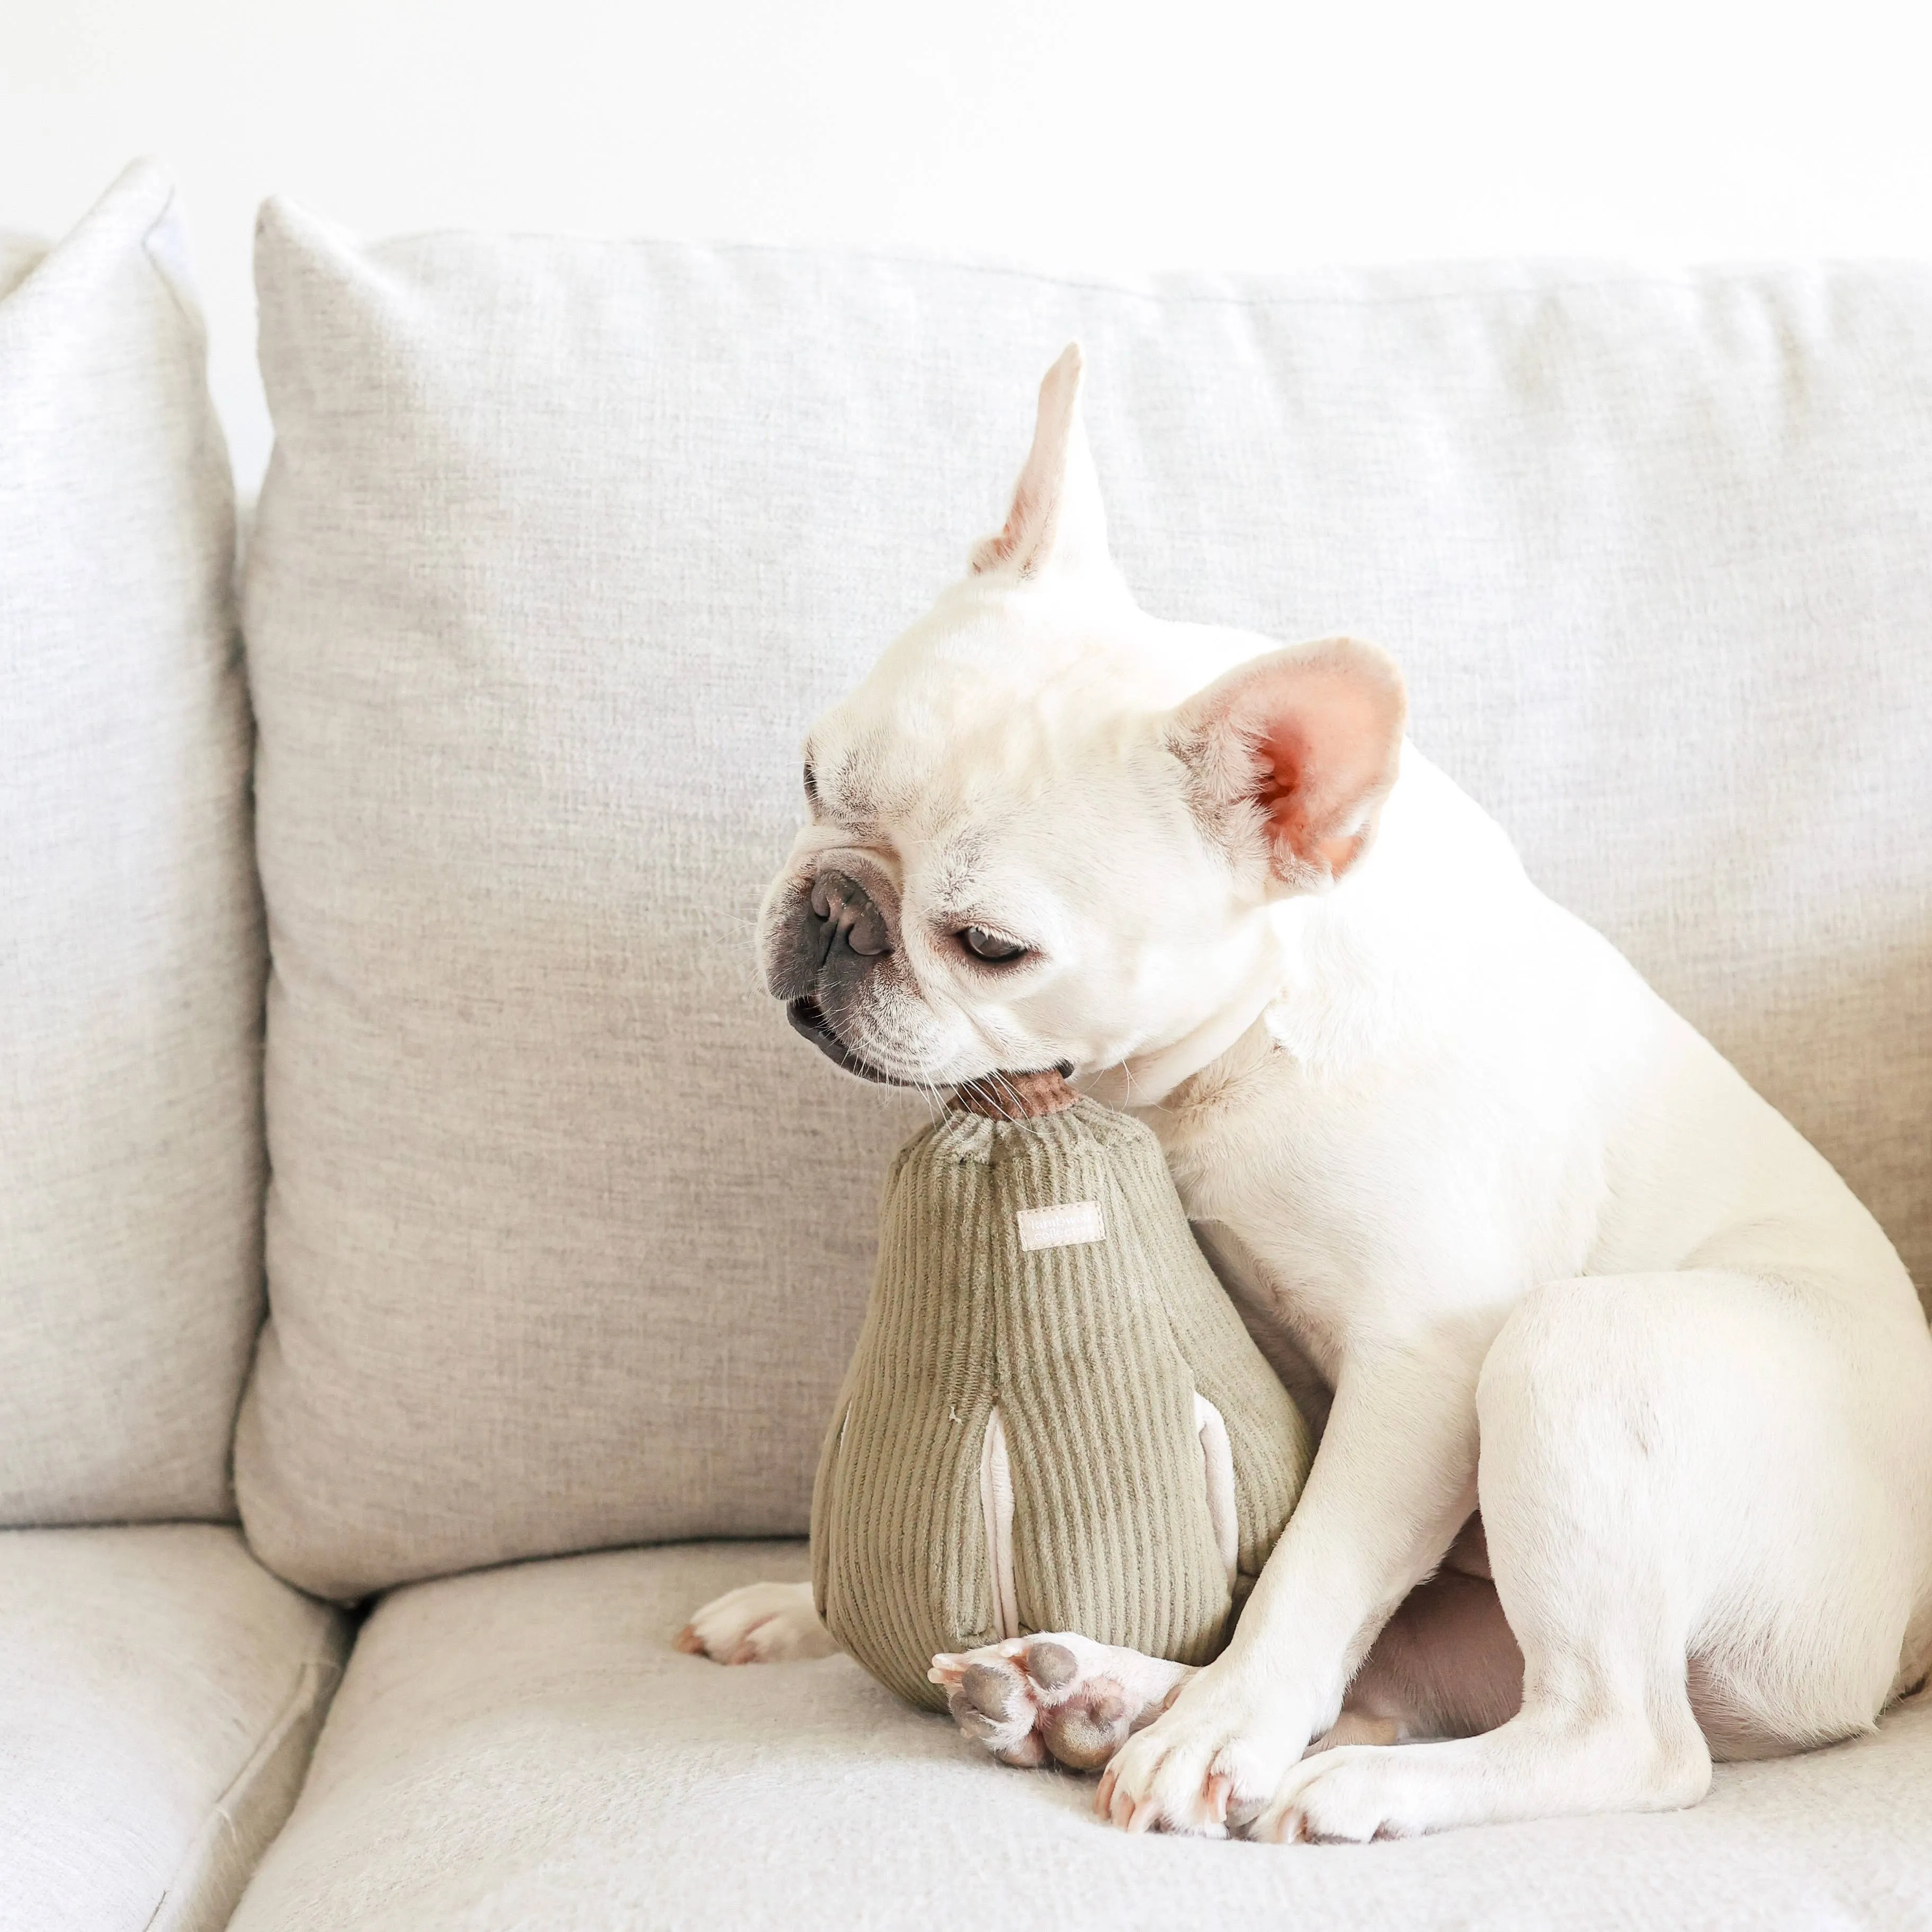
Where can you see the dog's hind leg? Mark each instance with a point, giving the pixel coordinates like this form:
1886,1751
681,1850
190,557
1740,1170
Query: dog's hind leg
1662,1476
758,1623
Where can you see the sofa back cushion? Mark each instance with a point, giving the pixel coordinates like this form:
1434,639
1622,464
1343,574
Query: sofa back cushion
564,543
131,949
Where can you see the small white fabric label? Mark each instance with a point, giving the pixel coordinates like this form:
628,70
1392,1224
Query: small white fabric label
1067,1226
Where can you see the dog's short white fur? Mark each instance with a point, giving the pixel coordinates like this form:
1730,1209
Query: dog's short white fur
1546,1250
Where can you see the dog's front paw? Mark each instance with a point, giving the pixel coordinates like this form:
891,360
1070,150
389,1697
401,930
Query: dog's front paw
762,1623
1349,1795
1206,1766
1056,1696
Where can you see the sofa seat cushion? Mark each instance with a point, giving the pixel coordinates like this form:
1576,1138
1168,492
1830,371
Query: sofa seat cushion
160,1692
524,1747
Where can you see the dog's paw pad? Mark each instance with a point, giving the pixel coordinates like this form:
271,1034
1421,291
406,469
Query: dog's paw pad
992,1703
994,1689
1029,1754
1051,1666
1086,1730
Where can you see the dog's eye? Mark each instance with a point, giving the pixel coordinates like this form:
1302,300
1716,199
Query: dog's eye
811,786
989,946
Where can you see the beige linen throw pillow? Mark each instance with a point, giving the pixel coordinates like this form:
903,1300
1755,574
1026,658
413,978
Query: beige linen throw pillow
565,542
131,953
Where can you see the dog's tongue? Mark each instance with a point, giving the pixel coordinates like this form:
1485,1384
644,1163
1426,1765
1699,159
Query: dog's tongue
1016,1096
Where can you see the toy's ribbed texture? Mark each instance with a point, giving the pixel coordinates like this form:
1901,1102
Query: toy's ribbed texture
1092,1353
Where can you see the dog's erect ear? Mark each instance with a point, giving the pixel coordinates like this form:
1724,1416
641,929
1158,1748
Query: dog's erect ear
1056,518
1290,756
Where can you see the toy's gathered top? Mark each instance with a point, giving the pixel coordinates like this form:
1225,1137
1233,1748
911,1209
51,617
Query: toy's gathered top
1016,1097
1055,1419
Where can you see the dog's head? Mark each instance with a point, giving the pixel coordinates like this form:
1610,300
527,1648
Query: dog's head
1044,831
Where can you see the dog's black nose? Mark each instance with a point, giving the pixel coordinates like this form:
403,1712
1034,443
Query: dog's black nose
841,909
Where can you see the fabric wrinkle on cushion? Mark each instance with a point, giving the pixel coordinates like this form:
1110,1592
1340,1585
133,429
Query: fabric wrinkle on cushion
159,1692
565,543
131,946
524,1747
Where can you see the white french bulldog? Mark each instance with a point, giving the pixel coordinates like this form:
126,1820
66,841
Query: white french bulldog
1545,1254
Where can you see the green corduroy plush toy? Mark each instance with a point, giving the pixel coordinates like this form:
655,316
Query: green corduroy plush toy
1055,1419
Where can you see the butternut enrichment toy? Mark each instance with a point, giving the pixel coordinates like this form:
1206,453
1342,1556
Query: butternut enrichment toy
1055,1419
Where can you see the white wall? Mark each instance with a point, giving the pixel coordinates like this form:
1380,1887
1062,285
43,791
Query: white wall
1061,132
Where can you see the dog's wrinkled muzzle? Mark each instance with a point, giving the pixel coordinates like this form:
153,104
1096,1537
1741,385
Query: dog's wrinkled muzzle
840,929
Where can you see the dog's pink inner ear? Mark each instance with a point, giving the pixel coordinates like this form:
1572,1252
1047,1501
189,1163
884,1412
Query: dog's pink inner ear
1316,742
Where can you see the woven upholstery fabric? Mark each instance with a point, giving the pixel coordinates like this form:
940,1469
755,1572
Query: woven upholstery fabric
524,1748
131,946
160,1692
564,543
1092,1353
